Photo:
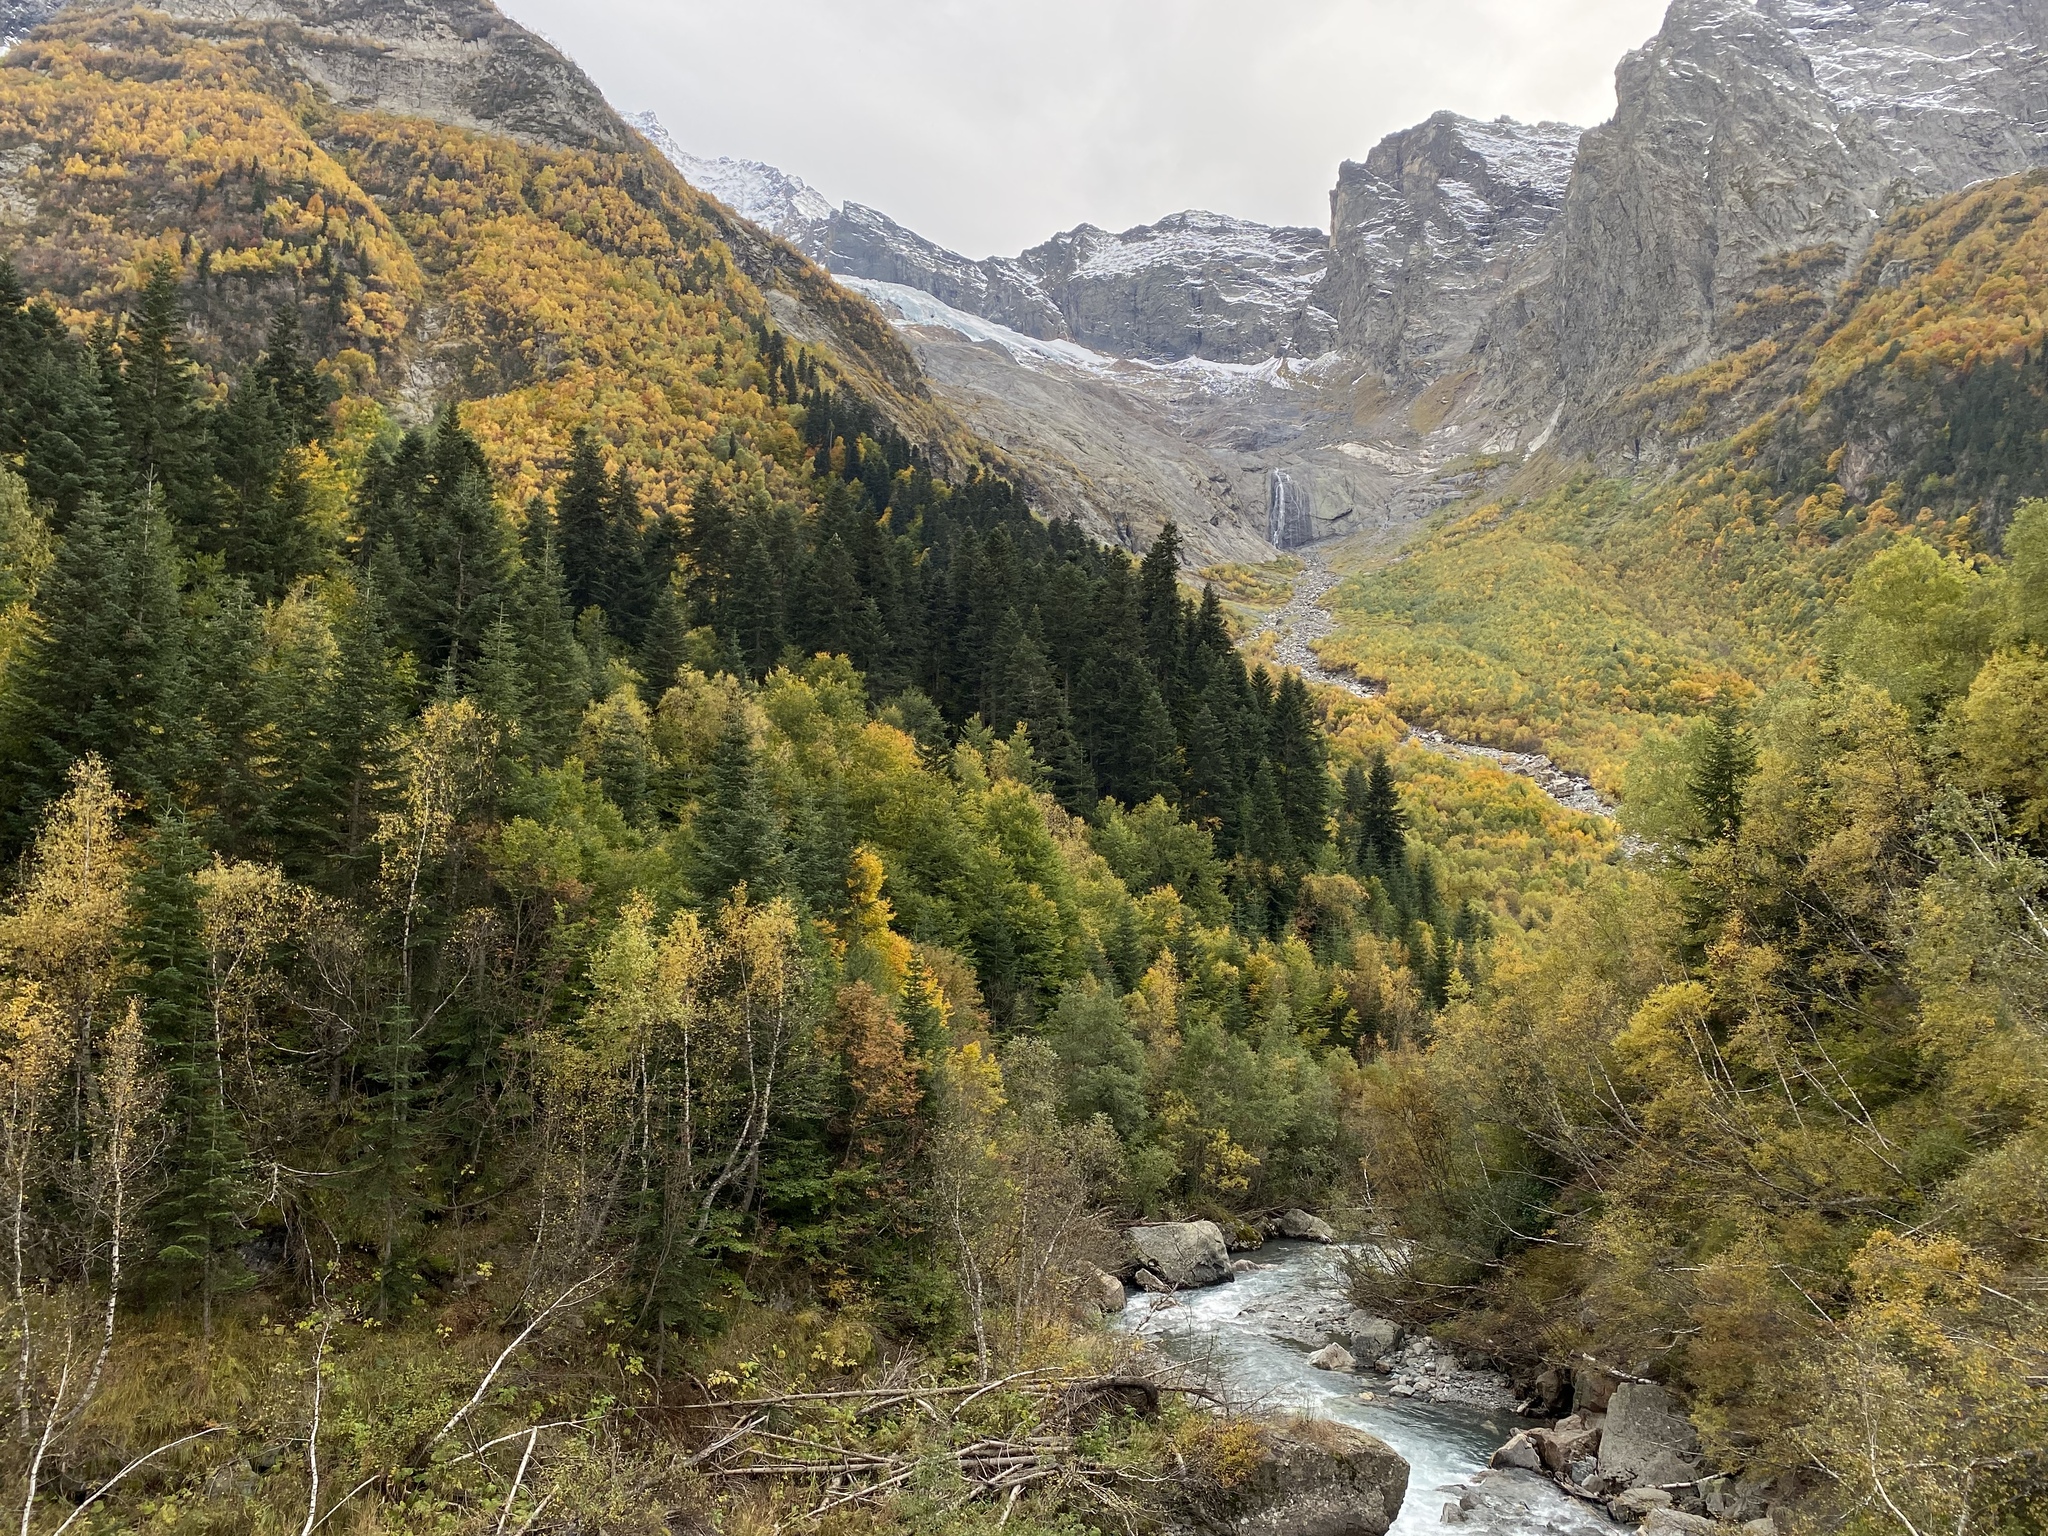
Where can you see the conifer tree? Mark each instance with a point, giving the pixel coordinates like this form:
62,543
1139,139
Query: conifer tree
710,544
665,648
557,669
1375,828
756,613
156,400
736,836
55,426
104,655
326,811
1726,763
499,678
1160,608
299,391
201,1216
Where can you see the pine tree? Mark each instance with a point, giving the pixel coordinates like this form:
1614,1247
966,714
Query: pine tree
1717,787
556,667
498,679
326,811
710,544
461,578
156,400
1152,751
736,836
755,611
300,392
1160,608
665,648
104,655
1301,765
201,1216
582,523
55,426
1026,693
1375,828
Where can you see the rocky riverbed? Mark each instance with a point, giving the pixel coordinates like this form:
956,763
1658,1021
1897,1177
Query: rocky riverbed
1305,619
1251,1340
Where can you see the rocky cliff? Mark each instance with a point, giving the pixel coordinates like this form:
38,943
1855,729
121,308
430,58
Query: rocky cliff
1429,232
1748,133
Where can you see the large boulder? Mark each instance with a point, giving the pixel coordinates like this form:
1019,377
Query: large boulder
1104,1291
1646,1441
1314,1478
1299,1224
1366,1336
1568,1443
1332,1357
1185,1254
1675,1522
1522,1453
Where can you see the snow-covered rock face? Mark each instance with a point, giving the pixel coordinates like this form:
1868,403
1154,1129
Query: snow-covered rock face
781,204
1955,90
1196,285
1749,130
18,18
1431,229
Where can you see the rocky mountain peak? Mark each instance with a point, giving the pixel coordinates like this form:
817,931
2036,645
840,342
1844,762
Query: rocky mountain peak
1749,131
1430,229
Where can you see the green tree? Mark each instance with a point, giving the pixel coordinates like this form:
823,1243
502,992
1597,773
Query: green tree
104,653
736,836
201,1215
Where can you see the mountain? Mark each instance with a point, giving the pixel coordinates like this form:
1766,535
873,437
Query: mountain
1184,371
1193,285
760,194
1747,134
1431,230
1494,289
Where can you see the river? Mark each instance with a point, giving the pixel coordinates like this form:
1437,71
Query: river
1228,1334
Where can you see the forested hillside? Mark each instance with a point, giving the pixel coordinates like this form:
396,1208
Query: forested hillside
642,844
600,928
1759,1116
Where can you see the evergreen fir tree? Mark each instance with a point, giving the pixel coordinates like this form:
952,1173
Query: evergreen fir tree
755,610
582,523
665,648
1160,608
299,391
1723,770
156,400
201,1216
710,545
556,667
736,836
498,680
104,655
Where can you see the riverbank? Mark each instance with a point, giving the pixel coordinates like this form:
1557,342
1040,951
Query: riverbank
1249,1342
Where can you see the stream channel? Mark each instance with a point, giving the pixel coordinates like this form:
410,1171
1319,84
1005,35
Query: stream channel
1234,1338
1305,618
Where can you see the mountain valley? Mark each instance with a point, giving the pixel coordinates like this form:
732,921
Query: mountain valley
662,842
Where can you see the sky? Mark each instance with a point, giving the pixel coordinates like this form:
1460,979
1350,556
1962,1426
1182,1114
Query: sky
988,125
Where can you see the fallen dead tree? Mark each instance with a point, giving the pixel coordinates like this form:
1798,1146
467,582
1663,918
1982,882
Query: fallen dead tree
981,1465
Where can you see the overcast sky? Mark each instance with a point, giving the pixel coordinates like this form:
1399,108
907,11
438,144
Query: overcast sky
988,125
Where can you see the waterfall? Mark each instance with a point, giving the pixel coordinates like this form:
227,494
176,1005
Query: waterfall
1290,516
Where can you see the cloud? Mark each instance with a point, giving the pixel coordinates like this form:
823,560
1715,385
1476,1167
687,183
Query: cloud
990,124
